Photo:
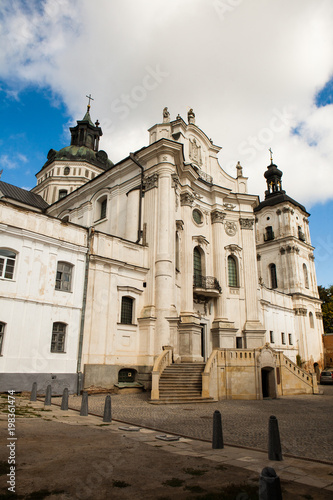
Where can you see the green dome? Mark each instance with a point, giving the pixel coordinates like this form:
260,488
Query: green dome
80,153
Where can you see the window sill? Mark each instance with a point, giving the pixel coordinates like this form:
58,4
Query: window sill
99,221
58,352
7,279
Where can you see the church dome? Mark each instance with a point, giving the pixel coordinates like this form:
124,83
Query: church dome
272,170
80,153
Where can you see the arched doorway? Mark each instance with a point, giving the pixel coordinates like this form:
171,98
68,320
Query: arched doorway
268,383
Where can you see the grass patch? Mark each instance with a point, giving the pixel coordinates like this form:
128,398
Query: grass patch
120,484
194,489
174,482
221,467
4,468
233,491
41,494
194,472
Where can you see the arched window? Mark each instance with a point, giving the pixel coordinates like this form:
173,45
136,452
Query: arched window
58,337
101,208
64,277
7,263
2,334
272,270
232,271
126,314
197,267
311,320
306,276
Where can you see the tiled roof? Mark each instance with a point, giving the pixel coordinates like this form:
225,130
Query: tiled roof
22,195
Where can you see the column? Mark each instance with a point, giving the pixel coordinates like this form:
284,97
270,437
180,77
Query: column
254,331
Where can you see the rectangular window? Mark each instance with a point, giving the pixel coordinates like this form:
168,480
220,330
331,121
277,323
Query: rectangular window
58,337
126,316
283,337
64,277
290,338
271,337
239,342
7,264
2,334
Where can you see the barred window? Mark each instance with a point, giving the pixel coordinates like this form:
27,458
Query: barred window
197,268
232,271
64,277
62,193
283,337
58,337
272,269
271,337
290,337
2,334
7,263
126,316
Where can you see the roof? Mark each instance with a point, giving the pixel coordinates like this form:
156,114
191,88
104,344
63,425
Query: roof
22,195
276,199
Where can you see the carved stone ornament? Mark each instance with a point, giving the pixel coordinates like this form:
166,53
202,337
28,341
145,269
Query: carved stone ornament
300,311
278,212
311,256
175,180
195,151
319,315
201,240
217,216
282,250
179,225
229,206
150,182
246,223
186,199
230,228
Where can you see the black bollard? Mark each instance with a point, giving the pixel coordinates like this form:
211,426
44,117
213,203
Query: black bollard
107,410
33,395
217,431
84,404
269,485
274,444
64,401
48,396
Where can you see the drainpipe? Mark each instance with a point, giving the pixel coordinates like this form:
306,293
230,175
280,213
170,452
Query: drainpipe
140,196
91,231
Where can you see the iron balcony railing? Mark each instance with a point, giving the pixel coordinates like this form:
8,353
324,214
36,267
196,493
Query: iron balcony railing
206,283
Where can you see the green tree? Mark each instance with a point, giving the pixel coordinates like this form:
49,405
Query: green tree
326,295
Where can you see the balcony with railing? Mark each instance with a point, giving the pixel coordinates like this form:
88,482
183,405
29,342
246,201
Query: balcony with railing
207,286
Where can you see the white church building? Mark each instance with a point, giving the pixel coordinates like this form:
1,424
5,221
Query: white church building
120,275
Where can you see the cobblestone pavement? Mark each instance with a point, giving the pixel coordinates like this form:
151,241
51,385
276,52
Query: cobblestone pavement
305,422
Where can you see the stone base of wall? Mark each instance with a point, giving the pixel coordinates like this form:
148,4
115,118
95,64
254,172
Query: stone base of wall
106,376
22,382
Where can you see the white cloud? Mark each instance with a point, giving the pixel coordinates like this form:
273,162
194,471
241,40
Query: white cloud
241,70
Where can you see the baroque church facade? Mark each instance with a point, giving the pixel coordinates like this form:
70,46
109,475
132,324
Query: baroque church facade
109,273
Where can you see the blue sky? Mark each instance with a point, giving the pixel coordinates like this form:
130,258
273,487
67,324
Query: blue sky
253,84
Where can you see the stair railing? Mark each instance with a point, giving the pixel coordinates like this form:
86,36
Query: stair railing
163,360
209,382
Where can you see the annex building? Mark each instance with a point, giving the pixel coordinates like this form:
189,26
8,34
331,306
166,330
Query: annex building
160,271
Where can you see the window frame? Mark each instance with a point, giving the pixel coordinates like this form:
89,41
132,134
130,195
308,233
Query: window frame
271,337
311,319
129,300
60,338
290,339
233,281
2,335
283,338
61,288
273,276
5,264
306,275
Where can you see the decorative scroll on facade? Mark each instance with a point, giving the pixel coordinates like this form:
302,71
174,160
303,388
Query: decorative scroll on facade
179,225
246,223
217,216
150,182
186,199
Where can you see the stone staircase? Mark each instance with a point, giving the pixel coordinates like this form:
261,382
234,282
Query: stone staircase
182,383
